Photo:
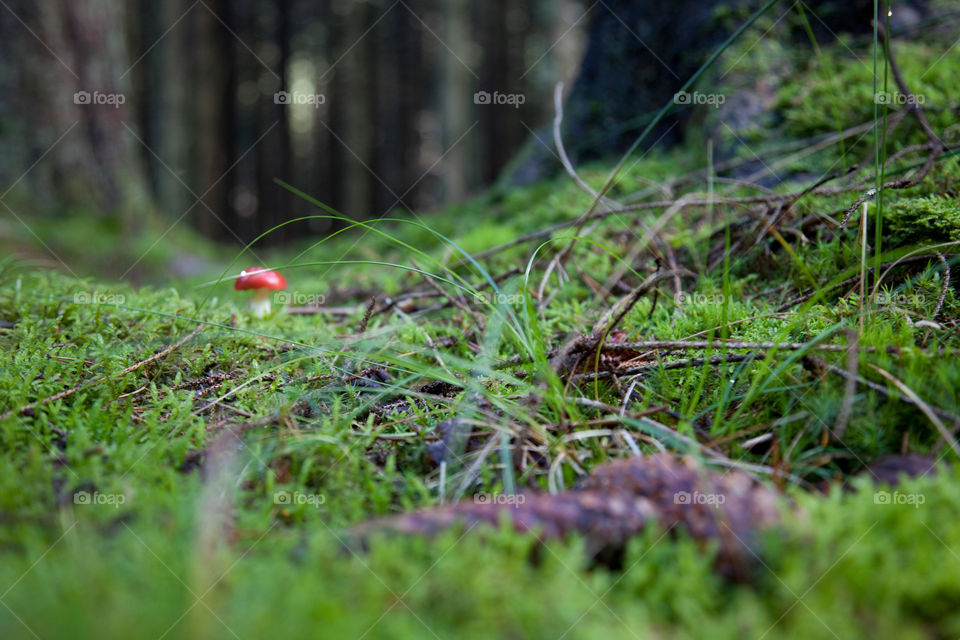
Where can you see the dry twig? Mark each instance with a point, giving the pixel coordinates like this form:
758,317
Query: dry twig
90,383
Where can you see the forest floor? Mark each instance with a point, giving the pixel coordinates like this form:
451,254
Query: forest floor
174,467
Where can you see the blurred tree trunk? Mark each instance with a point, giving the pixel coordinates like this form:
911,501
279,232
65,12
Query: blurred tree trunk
274,153
456,98
357,135
494,63
398,77
638,55
162,102
72,104
214,51
330,158
284,200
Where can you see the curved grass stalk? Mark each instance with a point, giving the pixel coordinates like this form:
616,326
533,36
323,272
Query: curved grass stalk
339,216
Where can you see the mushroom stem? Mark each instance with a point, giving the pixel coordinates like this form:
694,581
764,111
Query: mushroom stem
260,302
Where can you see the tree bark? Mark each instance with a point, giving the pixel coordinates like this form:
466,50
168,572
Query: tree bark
638,55
67,108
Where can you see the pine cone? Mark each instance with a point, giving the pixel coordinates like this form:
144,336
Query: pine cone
617,501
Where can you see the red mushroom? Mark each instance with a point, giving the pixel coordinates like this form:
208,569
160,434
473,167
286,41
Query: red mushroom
262,282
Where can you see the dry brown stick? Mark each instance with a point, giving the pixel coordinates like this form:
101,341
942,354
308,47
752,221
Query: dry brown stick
813,143
610,319
906,258
679,345
607,321
808,150
90,383
561,362
589,344
820,364
866,180
642,206
602,422
676,364
332,311
745,183
900,183
452,299
906,183
822,181
651,239
746,431
392,301
912,105
893,121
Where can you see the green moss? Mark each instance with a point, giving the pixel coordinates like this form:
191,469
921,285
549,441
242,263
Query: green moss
834,91
924,219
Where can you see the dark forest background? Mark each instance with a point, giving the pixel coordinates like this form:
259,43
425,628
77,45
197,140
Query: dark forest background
201,135
196,107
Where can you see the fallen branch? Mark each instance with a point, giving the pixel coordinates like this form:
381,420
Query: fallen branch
676,364
678,345
608,321
590,344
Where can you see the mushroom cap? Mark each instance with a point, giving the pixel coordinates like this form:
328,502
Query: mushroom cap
259,278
